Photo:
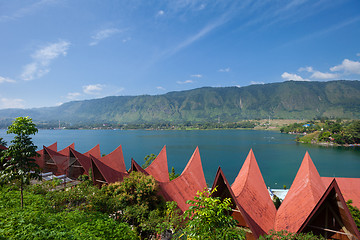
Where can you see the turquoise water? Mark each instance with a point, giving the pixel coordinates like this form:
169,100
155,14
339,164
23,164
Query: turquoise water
278,155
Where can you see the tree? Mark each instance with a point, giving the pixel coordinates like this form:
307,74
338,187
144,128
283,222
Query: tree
172,174
209,218
148,160
20,164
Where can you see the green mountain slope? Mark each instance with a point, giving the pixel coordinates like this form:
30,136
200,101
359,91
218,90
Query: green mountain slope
300,100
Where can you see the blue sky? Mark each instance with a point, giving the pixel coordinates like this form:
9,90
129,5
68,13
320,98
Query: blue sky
55,51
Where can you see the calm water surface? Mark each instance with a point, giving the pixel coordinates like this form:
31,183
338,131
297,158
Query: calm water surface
278,155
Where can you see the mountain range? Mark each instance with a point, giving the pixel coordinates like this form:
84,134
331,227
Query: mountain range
287,100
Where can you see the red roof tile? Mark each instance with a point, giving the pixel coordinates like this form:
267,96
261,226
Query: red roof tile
66,151
159,167
350,188
223,190
110,175
115,160
251,192
186,186
304,193
95,151
339,218
82,159
53,146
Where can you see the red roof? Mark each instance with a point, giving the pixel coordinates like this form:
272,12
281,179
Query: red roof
250,191
159,167
304,194
2,147
59,159
336,221
110,175
53,146
350,188
115,160
223,190
136,167
66,151
82,159
95,151
186,186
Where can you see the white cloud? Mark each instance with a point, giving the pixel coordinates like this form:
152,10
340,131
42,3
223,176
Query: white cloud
322,75
348,66
196,75
292,76
254,83
103,34
126,39
11,103
93,89
160,88
42,59
185,82
318,74
5,79
224,70
160,13
73,95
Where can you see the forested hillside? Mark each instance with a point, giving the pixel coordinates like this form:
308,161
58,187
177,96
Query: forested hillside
290,100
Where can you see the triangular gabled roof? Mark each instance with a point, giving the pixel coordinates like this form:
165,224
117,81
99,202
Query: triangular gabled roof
136,167
304,193
2,147
331,217
350,188
159,167
223,190
109,174
82,159
59,159
53,146
66,151
115,160
95,151
185,186
250,191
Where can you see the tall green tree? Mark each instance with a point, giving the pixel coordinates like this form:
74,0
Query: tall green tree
209,218
19,163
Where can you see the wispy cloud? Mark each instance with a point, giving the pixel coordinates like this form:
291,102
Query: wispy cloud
103,34
27,10
317,74
254,83
73,95
160,13
185,82
93,89
160,88
348,67
358,54
196,75
11,103
292,76
5,79
42,59
224,70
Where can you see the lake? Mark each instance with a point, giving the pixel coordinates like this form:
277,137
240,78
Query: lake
278,155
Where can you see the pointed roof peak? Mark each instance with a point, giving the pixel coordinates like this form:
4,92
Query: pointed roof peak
159,167
95,151
250,190
115,159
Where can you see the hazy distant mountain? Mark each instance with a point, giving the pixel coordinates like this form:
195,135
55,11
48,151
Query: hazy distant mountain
297,100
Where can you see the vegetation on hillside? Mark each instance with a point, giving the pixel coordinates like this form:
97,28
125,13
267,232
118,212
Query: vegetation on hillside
286,100
326,131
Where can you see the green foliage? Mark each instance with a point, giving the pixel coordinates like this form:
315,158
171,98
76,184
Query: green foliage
148,160
138,202
355,213
38,220
18,160
285,235
172,174
287,100
209,218
3,142
172,222
276,201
